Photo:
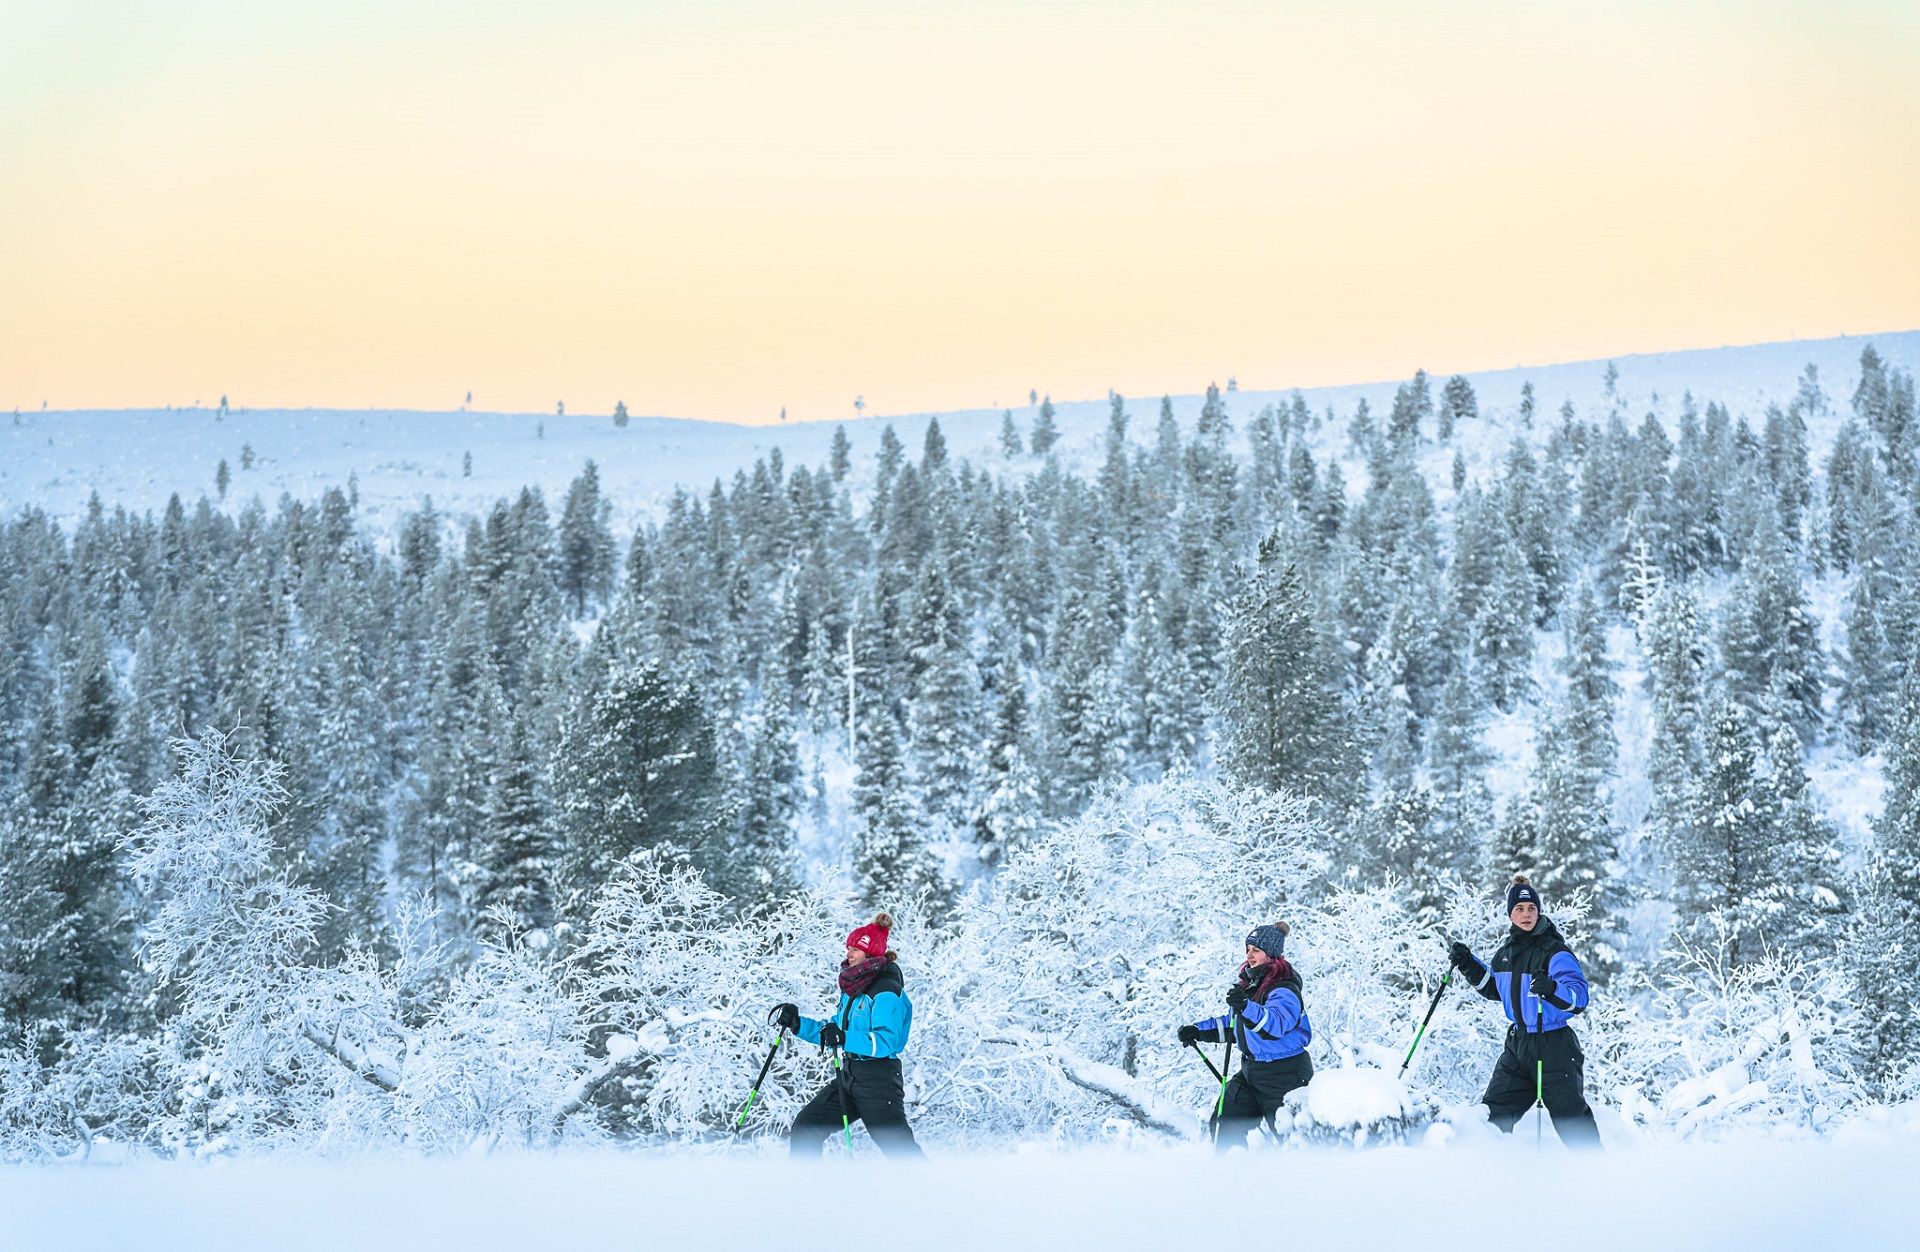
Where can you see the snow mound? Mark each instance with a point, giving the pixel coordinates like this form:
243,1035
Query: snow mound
1357,1107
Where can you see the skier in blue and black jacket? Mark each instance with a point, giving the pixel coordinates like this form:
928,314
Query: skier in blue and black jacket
869,1027
1267,1011
1540,984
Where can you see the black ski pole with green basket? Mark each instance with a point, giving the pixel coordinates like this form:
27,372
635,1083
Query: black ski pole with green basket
1420,1034
778,1039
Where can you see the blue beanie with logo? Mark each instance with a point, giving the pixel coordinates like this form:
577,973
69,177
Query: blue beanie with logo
1522,892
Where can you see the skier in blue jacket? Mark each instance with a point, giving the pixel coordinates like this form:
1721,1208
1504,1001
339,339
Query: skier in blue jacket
869,1028
1268,1015
1540,984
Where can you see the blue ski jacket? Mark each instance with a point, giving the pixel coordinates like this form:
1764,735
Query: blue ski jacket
876,1021
1508,978
1268,1030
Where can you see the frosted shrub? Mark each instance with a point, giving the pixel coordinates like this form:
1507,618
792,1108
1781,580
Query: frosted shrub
1099,937
1710,1048
496,1058
684,981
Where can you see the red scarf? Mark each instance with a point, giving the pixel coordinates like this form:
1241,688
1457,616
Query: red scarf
1272,974
857,977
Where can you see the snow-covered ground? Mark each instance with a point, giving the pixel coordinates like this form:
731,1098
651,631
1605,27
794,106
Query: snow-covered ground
137,458
1492,1195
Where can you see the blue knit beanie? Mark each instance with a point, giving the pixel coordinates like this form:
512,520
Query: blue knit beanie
1522,891
1270,939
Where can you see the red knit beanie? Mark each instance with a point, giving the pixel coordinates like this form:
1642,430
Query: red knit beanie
872,938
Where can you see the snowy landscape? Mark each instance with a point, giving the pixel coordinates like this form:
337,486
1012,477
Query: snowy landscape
409,819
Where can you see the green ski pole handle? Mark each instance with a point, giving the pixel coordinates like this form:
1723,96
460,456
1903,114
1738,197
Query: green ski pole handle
1226,1064
1422,1032
754,1094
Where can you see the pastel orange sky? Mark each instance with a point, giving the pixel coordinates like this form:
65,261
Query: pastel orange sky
719,209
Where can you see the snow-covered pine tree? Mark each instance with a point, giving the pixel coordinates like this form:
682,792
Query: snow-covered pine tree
513,889
1810,910
636,766
1010,811
762,862
586,543
1726,874
1283,721
1882,953
1457,404
942,715
1769,639
1046,432
1671,636
1869,679
1502,640
891,860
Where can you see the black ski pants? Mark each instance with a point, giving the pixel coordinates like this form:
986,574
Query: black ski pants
1255,1094
867,1090
1561,1079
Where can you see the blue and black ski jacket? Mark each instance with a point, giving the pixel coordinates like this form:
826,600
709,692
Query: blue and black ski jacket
875,1022
1272,1029
1508,978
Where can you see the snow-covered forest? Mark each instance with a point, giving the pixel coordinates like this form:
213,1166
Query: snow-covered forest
466,831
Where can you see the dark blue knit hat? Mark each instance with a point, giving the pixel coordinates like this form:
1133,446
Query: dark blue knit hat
1270,939
1522,892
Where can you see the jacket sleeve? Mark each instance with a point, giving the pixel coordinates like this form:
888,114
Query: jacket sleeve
1278,1015
1570,981
809,1031
1483,982
1210,1027
888,1019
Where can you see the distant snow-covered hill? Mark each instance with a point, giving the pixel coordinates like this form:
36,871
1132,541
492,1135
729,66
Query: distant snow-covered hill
138,458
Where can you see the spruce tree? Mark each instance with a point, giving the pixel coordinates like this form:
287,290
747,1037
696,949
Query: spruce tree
1882,955
1283,722
1503,630
586,542
1011,445
1011,809
1457,404
514,885
636,766
841,458
1724,856
1670,633
1045,432
891,857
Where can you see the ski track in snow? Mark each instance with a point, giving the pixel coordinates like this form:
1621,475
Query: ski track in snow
1497,1195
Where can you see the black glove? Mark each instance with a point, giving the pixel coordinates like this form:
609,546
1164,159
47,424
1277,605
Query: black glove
785,1016
1189,1035
831,1036
1237,998
1547,989
1466,962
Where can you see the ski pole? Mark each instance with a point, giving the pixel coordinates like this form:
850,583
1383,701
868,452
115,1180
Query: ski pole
1226,1064
1422,1032
754,1094
840,1088
1539,1073
1208,1061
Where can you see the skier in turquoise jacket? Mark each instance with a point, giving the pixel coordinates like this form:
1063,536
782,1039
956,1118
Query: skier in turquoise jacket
869,1029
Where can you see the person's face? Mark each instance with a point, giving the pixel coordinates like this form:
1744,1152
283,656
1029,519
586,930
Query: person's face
1256,958
855,955
1525,915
